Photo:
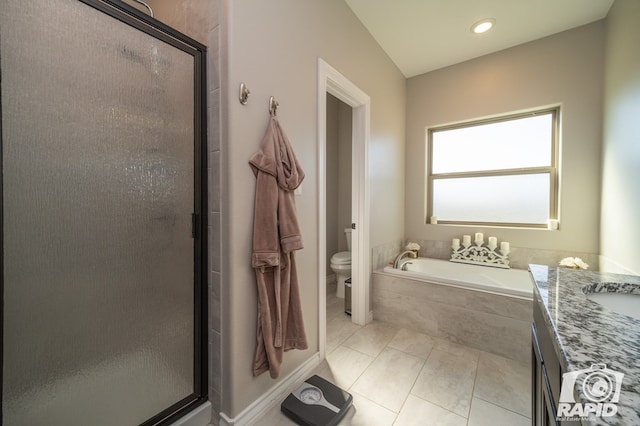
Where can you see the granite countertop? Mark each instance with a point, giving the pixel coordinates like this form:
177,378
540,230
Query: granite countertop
587,333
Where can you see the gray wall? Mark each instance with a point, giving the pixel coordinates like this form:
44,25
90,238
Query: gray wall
273,47
561,69
620,227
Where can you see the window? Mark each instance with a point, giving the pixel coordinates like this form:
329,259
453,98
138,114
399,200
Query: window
500,172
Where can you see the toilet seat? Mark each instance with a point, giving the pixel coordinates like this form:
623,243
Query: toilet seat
341,258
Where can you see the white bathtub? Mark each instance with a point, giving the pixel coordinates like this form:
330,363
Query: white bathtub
486,308
508,282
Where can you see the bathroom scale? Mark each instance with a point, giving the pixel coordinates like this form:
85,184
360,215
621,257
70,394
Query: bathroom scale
316,402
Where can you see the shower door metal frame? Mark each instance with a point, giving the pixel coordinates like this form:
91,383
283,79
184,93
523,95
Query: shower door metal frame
151,26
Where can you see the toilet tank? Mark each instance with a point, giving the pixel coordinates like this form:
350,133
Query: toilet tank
347,233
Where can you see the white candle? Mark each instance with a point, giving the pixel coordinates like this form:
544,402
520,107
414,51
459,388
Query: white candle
504,246
434,220
466,240
455,243
493,243
479,238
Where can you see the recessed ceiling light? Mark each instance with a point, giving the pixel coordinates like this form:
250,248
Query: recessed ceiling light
483,26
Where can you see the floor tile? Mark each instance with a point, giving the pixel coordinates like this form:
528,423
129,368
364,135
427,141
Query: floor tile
346,365
385,370
413,343
389,378
418,412
273,417
367,413
336,311
486,414
447,380
504,382
372,338
335,306
457,349
338,331
323,370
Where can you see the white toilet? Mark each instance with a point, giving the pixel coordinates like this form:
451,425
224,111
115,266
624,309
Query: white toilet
341,265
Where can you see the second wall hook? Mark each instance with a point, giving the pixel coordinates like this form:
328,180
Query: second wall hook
244,94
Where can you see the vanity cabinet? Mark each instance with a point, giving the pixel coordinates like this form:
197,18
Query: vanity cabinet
546,380
562,342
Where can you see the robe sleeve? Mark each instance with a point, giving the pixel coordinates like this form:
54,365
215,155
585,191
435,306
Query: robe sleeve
290,236
266,243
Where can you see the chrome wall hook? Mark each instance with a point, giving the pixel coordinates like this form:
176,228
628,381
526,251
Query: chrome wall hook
244,94
273,105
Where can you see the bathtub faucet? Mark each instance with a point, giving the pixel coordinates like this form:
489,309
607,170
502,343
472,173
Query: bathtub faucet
399,257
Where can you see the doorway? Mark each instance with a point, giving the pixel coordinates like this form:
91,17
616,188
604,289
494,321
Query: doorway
339,147
333,83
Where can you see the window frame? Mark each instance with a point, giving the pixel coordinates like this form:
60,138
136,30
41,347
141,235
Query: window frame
552,170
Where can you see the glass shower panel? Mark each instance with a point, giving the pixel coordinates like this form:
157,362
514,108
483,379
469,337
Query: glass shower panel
98,191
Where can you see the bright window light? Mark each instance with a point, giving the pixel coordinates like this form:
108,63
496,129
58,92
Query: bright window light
500,172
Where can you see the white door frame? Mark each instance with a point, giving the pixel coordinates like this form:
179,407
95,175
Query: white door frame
331,81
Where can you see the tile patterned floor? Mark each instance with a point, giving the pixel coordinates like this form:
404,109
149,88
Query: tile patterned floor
401,377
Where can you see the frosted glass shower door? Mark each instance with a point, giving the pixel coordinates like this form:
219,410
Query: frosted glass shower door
99,184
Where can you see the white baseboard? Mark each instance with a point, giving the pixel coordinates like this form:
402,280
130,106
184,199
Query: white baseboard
274,396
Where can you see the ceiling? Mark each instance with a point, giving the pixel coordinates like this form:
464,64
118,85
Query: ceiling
424,35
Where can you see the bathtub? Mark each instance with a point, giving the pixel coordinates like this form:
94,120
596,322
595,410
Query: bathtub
509,282
486,308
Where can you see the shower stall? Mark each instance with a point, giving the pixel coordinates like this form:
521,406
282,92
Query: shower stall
103,191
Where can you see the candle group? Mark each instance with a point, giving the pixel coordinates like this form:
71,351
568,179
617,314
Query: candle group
479,239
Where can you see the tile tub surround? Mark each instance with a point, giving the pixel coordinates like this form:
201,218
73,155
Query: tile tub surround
384,254
489,322
585,332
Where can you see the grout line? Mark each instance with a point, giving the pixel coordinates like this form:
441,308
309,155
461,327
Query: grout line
415,381
362,353
424,361
374,403
504,408
473,390
409,353
437,405
413,385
